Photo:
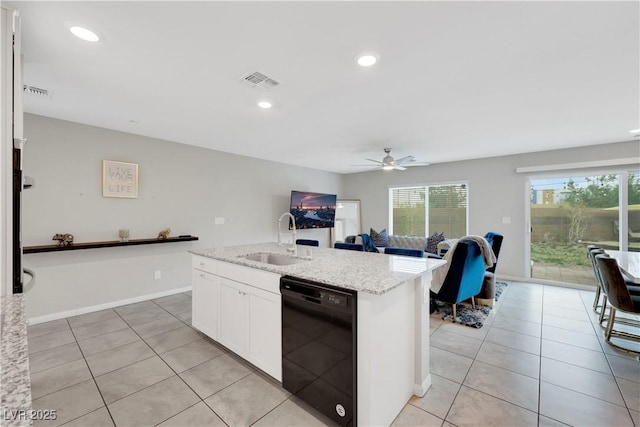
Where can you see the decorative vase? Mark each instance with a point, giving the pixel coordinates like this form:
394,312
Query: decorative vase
123,233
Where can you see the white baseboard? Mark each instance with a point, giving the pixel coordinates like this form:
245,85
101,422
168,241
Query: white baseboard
547,282
92,308
420,390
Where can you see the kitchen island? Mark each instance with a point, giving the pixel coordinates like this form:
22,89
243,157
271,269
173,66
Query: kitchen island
15,381
236,301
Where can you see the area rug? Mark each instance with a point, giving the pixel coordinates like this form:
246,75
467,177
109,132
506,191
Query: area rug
465,314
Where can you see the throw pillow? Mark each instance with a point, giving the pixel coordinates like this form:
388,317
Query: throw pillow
380,239
432,242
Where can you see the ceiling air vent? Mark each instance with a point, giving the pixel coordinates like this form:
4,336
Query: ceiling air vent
259,80
35,91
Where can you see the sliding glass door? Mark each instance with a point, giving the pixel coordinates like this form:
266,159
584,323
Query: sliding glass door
633,211
568,213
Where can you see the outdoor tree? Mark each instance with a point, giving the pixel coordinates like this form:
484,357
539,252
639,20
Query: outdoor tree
578,222
601,191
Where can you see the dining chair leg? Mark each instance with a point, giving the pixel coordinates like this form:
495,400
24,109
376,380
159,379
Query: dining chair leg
596,299
603,309
454,312
612,317
473,302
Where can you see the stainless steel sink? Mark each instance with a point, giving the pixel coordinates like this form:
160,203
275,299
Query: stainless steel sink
273,259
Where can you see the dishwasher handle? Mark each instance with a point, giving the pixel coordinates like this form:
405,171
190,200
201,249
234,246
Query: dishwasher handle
312,299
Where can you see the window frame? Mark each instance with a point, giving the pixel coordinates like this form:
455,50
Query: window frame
391,188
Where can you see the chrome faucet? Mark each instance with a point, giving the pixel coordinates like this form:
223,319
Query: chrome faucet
293,247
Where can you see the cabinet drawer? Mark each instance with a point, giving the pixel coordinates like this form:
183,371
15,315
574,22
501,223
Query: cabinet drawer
205,264
260,279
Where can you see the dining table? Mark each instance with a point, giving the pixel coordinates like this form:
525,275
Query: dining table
629,263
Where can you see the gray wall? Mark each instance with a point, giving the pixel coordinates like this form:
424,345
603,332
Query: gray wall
495,191
180,186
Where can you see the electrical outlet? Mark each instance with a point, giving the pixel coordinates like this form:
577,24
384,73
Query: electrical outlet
157,275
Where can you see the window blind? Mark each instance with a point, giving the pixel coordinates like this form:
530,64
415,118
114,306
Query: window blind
423,210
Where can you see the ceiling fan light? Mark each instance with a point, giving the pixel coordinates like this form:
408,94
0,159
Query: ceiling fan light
367,59
387,167
84,34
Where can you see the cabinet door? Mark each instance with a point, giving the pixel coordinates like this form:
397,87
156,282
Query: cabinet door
233,318
206,299
265,332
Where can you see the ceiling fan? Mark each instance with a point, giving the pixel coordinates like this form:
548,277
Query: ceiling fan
389,163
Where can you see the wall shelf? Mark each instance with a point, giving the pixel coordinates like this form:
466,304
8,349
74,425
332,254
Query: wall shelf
106,244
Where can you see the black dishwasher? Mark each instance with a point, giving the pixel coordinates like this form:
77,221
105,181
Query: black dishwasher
319,347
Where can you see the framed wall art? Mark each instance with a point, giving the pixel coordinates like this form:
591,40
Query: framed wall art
119,179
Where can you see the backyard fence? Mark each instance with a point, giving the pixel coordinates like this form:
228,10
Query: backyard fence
553,224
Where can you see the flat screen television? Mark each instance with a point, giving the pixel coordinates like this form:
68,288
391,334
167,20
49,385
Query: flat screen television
313,210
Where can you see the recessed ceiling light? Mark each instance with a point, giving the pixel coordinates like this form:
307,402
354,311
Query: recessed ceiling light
264,104
367,59
84,34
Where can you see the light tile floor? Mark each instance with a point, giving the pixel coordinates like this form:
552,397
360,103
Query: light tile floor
540,359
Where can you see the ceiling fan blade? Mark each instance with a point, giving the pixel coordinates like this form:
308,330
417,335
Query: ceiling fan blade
399,168
375,161
367,166
416,164
405,159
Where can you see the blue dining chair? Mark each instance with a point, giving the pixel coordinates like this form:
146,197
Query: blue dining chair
404,252
307,242
465,276
349,246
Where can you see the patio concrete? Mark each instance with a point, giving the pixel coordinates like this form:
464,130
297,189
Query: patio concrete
576,274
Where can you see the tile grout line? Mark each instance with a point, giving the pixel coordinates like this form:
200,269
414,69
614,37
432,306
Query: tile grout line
603,307
586,309
485,393
152,349
92,377
484,339
178,375
540,361
480,391
131,364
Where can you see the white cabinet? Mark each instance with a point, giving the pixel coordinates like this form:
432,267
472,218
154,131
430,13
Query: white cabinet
205,297
233,315
265,331
240,307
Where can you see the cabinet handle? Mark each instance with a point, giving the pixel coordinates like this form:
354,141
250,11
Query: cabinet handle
202,264
202,275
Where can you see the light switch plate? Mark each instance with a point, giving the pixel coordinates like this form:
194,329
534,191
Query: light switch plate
219,220
506,220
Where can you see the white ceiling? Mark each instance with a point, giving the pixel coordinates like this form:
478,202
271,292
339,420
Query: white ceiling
456,80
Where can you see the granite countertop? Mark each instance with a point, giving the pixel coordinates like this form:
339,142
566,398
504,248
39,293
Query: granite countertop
359,271
15,383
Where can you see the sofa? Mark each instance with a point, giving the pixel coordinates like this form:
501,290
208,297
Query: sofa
382,240
411,242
